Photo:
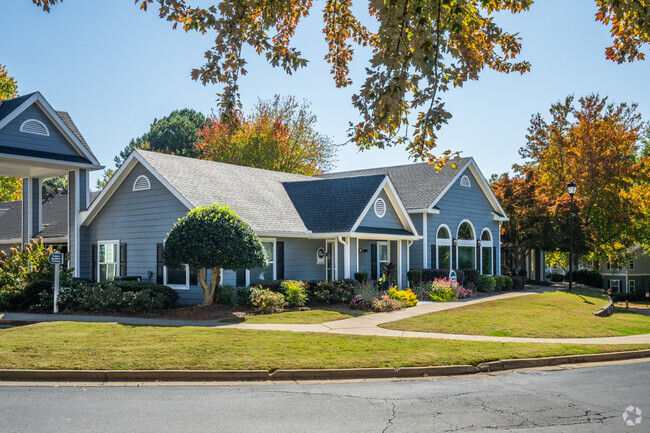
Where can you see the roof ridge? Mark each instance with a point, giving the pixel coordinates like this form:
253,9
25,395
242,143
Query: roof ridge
463,159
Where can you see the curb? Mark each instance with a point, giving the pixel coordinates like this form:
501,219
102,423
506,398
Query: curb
309,374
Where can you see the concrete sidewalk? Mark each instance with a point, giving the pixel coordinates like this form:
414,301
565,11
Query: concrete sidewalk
367,325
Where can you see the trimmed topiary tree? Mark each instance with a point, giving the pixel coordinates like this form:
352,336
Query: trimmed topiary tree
213,238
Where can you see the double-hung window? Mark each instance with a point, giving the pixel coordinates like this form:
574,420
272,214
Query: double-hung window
382,258
267,273
108,259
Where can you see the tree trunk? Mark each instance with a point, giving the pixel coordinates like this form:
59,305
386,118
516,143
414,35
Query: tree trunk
208,291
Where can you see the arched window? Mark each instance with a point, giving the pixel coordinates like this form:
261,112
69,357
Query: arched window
141,183
33,126
464,181
486,252
465,246
443,247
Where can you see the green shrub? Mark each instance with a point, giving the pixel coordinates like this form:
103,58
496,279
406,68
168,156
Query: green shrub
414,277
486,283
622,297
443,295
266,301
273,285
471,276
295,293
433,274
385,303
589,278
518,282
555,277
226,295
502,283
334,292
361,277
508,282
108,297
243,295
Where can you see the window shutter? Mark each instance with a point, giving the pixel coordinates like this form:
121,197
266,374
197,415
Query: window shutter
279,260
194,278
241,278
159,264
453,256
373,262
495,271
433,257
94,262
122,260
478,256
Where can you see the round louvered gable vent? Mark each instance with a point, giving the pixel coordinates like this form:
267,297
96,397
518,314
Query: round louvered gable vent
141,184
380,207
33,126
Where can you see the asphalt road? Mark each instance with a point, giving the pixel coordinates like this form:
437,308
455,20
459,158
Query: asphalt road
577,400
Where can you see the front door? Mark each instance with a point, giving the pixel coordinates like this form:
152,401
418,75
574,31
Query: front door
329,261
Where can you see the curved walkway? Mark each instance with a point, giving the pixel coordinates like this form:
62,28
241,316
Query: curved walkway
362,325
369,325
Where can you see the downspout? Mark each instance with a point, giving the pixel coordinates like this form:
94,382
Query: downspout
346,257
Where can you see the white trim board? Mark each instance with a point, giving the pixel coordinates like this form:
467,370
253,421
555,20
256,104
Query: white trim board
388,187
118,178
53,116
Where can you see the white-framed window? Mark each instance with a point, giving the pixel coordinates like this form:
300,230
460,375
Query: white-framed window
141,183
382,258
269,272
466,246
486,252
631,286
34,126
443,247
177,279
108,260
615,285
630,266
380,207
464,181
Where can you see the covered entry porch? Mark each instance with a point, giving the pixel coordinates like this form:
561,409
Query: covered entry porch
369,253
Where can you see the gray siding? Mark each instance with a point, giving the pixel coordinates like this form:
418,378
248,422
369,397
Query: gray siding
415,254
389,220
11,136
300,259
460,203
141,220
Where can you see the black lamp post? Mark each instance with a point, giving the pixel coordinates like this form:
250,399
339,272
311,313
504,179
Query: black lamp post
571,189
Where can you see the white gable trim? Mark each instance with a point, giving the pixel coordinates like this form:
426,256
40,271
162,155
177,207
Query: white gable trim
387,186
55,119
120,175
482,183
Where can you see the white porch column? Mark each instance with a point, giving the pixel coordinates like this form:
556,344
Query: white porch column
399,265
424,242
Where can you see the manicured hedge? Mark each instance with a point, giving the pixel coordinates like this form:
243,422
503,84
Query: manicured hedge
518,282
589,278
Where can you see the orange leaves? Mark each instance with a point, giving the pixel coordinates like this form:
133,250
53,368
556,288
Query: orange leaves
630,28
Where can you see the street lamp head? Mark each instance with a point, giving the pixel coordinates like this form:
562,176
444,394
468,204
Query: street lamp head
571,188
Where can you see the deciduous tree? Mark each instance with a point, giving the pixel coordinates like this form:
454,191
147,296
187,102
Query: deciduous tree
596,144
279,135
420,49
212,238
10,187
175,134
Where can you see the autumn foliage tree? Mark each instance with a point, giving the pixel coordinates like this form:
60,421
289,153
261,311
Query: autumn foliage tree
595,143
420,50
279,135
10,187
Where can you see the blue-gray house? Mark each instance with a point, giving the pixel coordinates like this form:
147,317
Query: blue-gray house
410,215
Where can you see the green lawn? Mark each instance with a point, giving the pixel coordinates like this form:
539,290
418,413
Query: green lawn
106,346
320,315
550,315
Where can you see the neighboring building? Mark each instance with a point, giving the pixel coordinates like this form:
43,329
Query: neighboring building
633,276
325,227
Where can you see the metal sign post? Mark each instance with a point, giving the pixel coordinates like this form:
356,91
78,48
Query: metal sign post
57,260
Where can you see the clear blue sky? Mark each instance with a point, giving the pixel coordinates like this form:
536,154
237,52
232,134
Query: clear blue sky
115,69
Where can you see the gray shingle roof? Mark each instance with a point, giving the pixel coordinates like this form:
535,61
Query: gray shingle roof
7,106
258,196
70,124
418,185
10,215
332,205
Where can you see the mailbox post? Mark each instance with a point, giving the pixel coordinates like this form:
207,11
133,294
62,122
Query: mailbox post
57,260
